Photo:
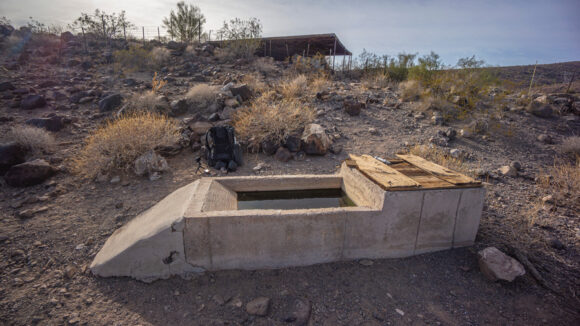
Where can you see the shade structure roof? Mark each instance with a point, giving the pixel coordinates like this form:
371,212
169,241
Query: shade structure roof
281,47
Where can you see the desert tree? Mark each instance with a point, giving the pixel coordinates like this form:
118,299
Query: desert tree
102,24
242,37
186,23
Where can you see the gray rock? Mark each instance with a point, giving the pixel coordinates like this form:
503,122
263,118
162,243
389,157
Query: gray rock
283,154
29,173
10,155
32,102
496,265
546,139
110,102
149,163
179,107
540,109
6,86
55,123
314,140
508,170
353,108
258,306
516,165
300,314
243,91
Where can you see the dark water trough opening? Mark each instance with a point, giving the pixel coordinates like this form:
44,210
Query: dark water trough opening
294,199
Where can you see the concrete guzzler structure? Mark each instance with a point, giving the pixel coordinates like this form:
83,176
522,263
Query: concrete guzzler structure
408,207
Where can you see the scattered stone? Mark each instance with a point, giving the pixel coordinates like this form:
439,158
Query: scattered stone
451,133
374,131
293,143
6,86
366,262
29,213
557,244
400,312
335,149
70,271
115,179
437,119
32,102
29,173
214,117
149,163
110,102
179,107
496,265
508,170
300,312
540,109
258,306
419,116
10,155
283,154
353,108
546,139
243,91
455,153
315,141
516,165
54,124
168,150
269,147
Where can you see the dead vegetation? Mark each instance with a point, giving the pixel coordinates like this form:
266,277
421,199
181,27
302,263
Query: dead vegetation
295,87
201,94
119,142
273,121
410,90
34,139
441,157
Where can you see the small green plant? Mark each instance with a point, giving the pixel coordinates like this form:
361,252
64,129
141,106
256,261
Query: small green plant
135,58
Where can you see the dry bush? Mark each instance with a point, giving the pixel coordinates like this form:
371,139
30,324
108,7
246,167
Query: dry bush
119,142
160,56
571,146
375,81
146,102
319,83
254,82
295,87
265,65
12,45
441,157
267,120
562,180
410,90
201,94
35,139
133,59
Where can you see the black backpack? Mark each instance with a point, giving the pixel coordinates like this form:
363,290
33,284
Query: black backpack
222,149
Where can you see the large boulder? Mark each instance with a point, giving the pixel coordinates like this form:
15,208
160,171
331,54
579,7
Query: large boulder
110,102
496,265
67,37
54,124
32,102
243,91
314,140
540,109
10,155
29,173
179,107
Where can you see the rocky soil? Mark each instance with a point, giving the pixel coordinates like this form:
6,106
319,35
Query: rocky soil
51,228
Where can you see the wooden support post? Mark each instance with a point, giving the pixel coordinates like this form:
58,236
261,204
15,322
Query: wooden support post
270,47
334,52
104,28
158,34
143,28
308,49
287,52
343,64
124,32
85,40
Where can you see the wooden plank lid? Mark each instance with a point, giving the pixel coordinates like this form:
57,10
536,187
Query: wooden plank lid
382,174
438,170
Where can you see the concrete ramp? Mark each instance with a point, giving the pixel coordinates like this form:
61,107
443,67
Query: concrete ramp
150,246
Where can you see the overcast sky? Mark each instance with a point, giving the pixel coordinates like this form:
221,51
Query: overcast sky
500,32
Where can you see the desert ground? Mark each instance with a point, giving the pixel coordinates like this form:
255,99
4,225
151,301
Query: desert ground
51,228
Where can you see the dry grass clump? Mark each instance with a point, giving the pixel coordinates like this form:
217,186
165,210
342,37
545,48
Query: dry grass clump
295,87
133,59
254,82
160,56
146,102
319,83
119,142
571,146
267,120
376,81
441,157
562,181
410,90
201,94
264,65
33,138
